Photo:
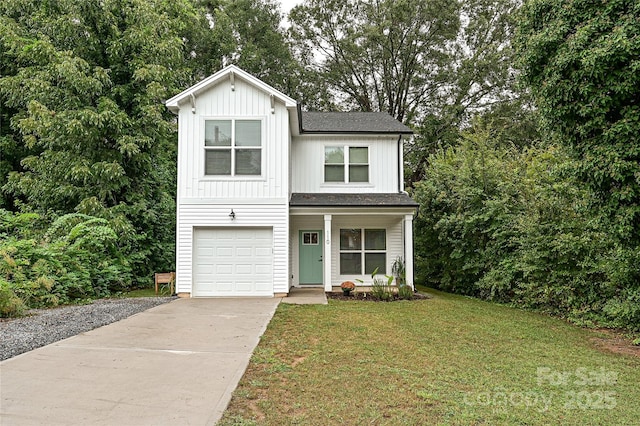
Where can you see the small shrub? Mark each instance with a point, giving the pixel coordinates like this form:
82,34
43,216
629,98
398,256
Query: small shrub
76,257
381,289
347,287
405,292
10,304
398,270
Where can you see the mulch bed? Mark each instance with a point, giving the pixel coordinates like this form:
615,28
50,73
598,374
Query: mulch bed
367,297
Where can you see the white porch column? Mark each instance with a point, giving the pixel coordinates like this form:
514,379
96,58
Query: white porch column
326,256
408,249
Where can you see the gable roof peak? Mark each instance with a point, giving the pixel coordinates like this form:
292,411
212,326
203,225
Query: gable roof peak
230,73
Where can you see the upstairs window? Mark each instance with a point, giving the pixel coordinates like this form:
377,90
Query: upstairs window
346,164
363,250
233,147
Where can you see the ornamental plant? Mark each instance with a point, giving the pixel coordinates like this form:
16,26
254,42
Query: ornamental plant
347,287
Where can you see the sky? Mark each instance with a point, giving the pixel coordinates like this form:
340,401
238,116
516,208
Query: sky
287,5
285,8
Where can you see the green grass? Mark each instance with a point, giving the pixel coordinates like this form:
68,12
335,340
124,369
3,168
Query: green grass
449,360
147,292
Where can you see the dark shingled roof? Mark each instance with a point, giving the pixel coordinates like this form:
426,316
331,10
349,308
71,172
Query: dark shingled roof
351,200
351,122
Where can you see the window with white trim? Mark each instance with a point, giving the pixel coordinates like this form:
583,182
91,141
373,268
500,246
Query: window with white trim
362,251
346,164
233,147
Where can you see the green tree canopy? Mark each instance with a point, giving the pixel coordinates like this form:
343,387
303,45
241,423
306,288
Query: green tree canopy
431,64
377,56
582,61
84,84
252,38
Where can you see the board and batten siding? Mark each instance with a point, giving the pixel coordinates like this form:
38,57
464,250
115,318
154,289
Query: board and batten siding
206,201
307,164
217,216
220,102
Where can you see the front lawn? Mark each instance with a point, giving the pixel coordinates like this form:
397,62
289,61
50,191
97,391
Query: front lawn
445,360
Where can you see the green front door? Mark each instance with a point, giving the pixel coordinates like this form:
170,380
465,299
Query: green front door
310,257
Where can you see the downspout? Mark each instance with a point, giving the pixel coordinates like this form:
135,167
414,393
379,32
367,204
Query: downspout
400,164
299,111
402,191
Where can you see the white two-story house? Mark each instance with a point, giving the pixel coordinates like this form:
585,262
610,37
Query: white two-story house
271,197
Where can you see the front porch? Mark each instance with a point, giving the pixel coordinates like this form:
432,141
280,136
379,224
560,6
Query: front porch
329,246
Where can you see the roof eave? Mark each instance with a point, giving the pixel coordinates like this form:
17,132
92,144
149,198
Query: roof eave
390,206
353,132
173,104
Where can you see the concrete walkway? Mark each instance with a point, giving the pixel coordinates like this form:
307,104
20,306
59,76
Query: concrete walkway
306,296
175,364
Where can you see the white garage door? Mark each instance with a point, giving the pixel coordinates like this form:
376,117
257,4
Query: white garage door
233,262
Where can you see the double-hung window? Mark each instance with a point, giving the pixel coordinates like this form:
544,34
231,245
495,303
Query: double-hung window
362,251
233,147
346,164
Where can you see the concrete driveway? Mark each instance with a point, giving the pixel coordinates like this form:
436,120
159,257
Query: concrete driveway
175,364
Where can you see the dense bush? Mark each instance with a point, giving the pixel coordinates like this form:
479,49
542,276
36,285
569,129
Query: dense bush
10,304
580,61
507,224
75,257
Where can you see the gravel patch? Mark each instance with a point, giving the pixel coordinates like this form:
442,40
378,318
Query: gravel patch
44,326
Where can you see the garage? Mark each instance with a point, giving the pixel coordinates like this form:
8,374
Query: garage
232,262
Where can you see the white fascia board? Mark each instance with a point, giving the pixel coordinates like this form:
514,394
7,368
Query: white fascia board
348,211
174,103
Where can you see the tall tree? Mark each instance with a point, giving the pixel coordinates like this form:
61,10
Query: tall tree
580,59
378,55
85,97
431,64
253,39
